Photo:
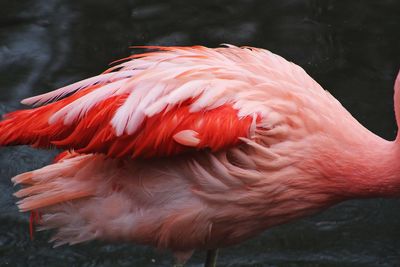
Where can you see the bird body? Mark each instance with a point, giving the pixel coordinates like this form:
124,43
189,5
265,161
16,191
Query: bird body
188,148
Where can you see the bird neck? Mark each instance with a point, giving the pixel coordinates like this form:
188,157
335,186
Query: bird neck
370,168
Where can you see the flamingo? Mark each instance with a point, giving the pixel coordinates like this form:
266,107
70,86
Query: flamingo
187,148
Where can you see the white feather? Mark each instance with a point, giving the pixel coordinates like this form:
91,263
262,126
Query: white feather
81,106
162,80
61,92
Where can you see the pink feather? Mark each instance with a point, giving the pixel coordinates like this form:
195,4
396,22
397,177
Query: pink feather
190,148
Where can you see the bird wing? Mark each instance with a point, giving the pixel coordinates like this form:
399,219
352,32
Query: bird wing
158,103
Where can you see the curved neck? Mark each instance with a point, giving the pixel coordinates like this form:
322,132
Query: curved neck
367,169
376,162
348,161
397,104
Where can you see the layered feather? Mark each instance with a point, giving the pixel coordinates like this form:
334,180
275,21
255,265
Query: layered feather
141,106
281,148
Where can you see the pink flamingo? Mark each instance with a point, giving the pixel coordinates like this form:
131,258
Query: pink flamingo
188,148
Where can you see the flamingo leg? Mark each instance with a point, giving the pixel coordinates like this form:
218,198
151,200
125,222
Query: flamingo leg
211,259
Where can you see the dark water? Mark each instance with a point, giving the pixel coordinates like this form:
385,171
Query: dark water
351,47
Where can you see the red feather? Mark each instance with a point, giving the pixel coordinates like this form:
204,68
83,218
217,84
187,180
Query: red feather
217,129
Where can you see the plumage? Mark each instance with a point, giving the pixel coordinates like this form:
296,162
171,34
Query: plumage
188,148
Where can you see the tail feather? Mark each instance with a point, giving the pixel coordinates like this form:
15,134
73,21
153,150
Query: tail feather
86,197
65,193
48,186
49,199
23,179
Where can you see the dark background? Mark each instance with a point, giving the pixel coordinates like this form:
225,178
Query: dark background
352,48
